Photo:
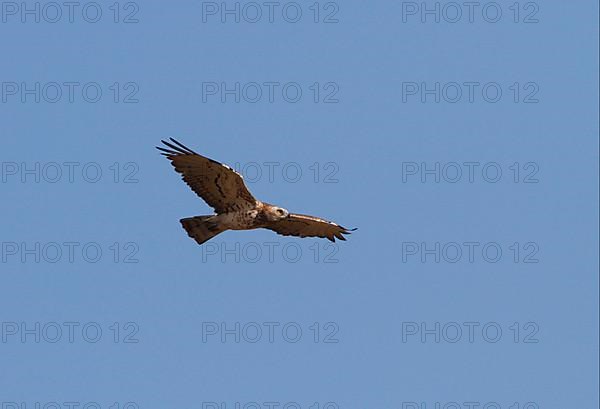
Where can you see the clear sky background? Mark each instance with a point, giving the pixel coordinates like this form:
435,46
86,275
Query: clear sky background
388,313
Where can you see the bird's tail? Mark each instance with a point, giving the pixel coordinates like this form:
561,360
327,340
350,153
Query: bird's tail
202,228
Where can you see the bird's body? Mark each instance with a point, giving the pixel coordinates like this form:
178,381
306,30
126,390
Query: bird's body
245,219
235,207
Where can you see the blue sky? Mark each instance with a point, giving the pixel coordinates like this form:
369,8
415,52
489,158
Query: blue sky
463,146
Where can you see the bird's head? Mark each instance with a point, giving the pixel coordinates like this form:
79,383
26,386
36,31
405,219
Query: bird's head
279,213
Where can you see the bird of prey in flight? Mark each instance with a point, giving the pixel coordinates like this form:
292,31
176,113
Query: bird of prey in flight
223,189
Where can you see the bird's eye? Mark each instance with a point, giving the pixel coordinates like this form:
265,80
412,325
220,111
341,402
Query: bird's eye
279,211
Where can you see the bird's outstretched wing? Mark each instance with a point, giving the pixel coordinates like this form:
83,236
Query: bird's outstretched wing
221,187
308,226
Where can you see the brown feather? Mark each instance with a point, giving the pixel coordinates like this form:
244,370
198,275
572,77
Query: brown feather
221,187
301,225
